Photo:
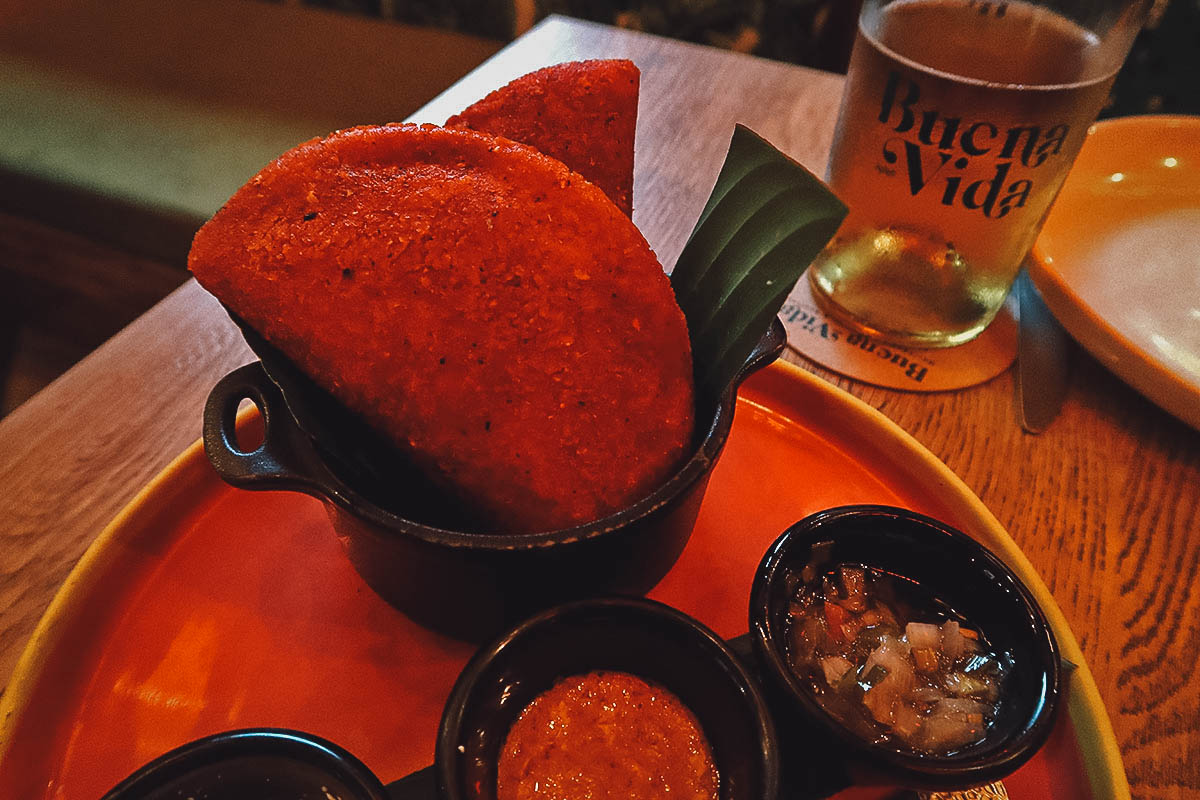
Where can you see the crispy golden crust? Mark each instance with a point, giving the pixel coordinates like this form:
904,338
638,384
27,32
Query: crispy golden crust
583,113
495,315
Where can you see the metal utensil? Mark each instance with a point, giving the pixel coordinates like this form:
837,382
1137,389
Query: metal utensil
1043,359
993,791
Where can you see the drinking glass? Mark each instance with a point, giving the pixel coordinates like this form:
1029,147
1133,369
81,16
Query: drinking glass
959,122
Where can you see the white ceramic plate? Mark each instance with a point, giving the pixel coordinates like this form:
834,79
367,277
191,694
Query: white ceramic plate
1118,260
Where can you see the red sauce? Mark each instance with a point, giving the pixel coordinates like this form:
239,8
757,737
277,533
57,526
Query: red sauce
606,735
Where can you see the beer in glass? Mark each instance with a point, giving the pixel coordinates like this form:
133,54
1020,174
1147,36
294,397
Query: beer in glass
959,122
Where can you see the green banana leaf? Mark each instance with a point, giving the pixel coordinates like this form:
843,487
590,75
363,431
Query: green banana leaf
766,220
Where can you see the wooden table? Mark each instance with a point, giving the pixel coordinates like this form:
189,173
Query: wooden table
1106,502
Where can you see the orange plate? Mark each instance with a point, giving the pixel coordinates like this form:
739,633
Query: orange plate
203,608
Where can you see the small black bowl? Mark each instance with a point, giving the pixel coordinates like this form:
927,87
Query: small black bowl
253,764
952,567
636,636
409,546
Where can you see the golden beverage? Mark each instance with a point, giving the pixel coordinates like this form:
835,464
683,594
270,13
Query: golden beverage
959,123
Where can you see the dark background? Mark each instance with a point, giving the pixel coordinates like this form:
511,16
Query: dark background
1162,74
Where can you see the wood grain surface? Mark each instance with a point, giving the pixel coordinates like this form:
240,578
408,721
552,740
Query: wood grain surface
1105,502
64,296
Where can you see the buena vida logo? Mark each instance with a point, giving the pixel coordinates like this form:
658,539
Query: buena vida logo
936,151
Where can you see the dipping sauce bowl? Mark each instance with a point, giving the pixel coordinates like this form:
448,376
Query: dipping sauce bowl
945,564
253,764
651,641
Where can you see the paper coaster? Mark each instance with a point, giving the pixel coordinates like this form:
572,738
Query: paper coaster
856,355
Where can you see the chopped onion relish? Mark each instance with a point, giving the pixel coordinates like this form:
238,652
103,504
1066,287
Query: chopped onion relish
891,662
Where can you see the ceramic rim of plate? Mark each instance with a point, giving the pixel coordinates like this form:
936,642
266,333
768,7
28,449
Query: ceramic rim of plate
1150,377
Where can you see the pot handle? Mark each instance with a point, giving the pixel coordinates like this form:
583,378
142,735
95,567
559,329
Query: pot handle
284,460
768,349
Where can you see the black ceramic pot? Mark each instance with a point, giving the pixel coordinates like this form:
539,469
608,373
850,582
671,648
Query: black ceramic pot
950,566
406,543
253,764
647,639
